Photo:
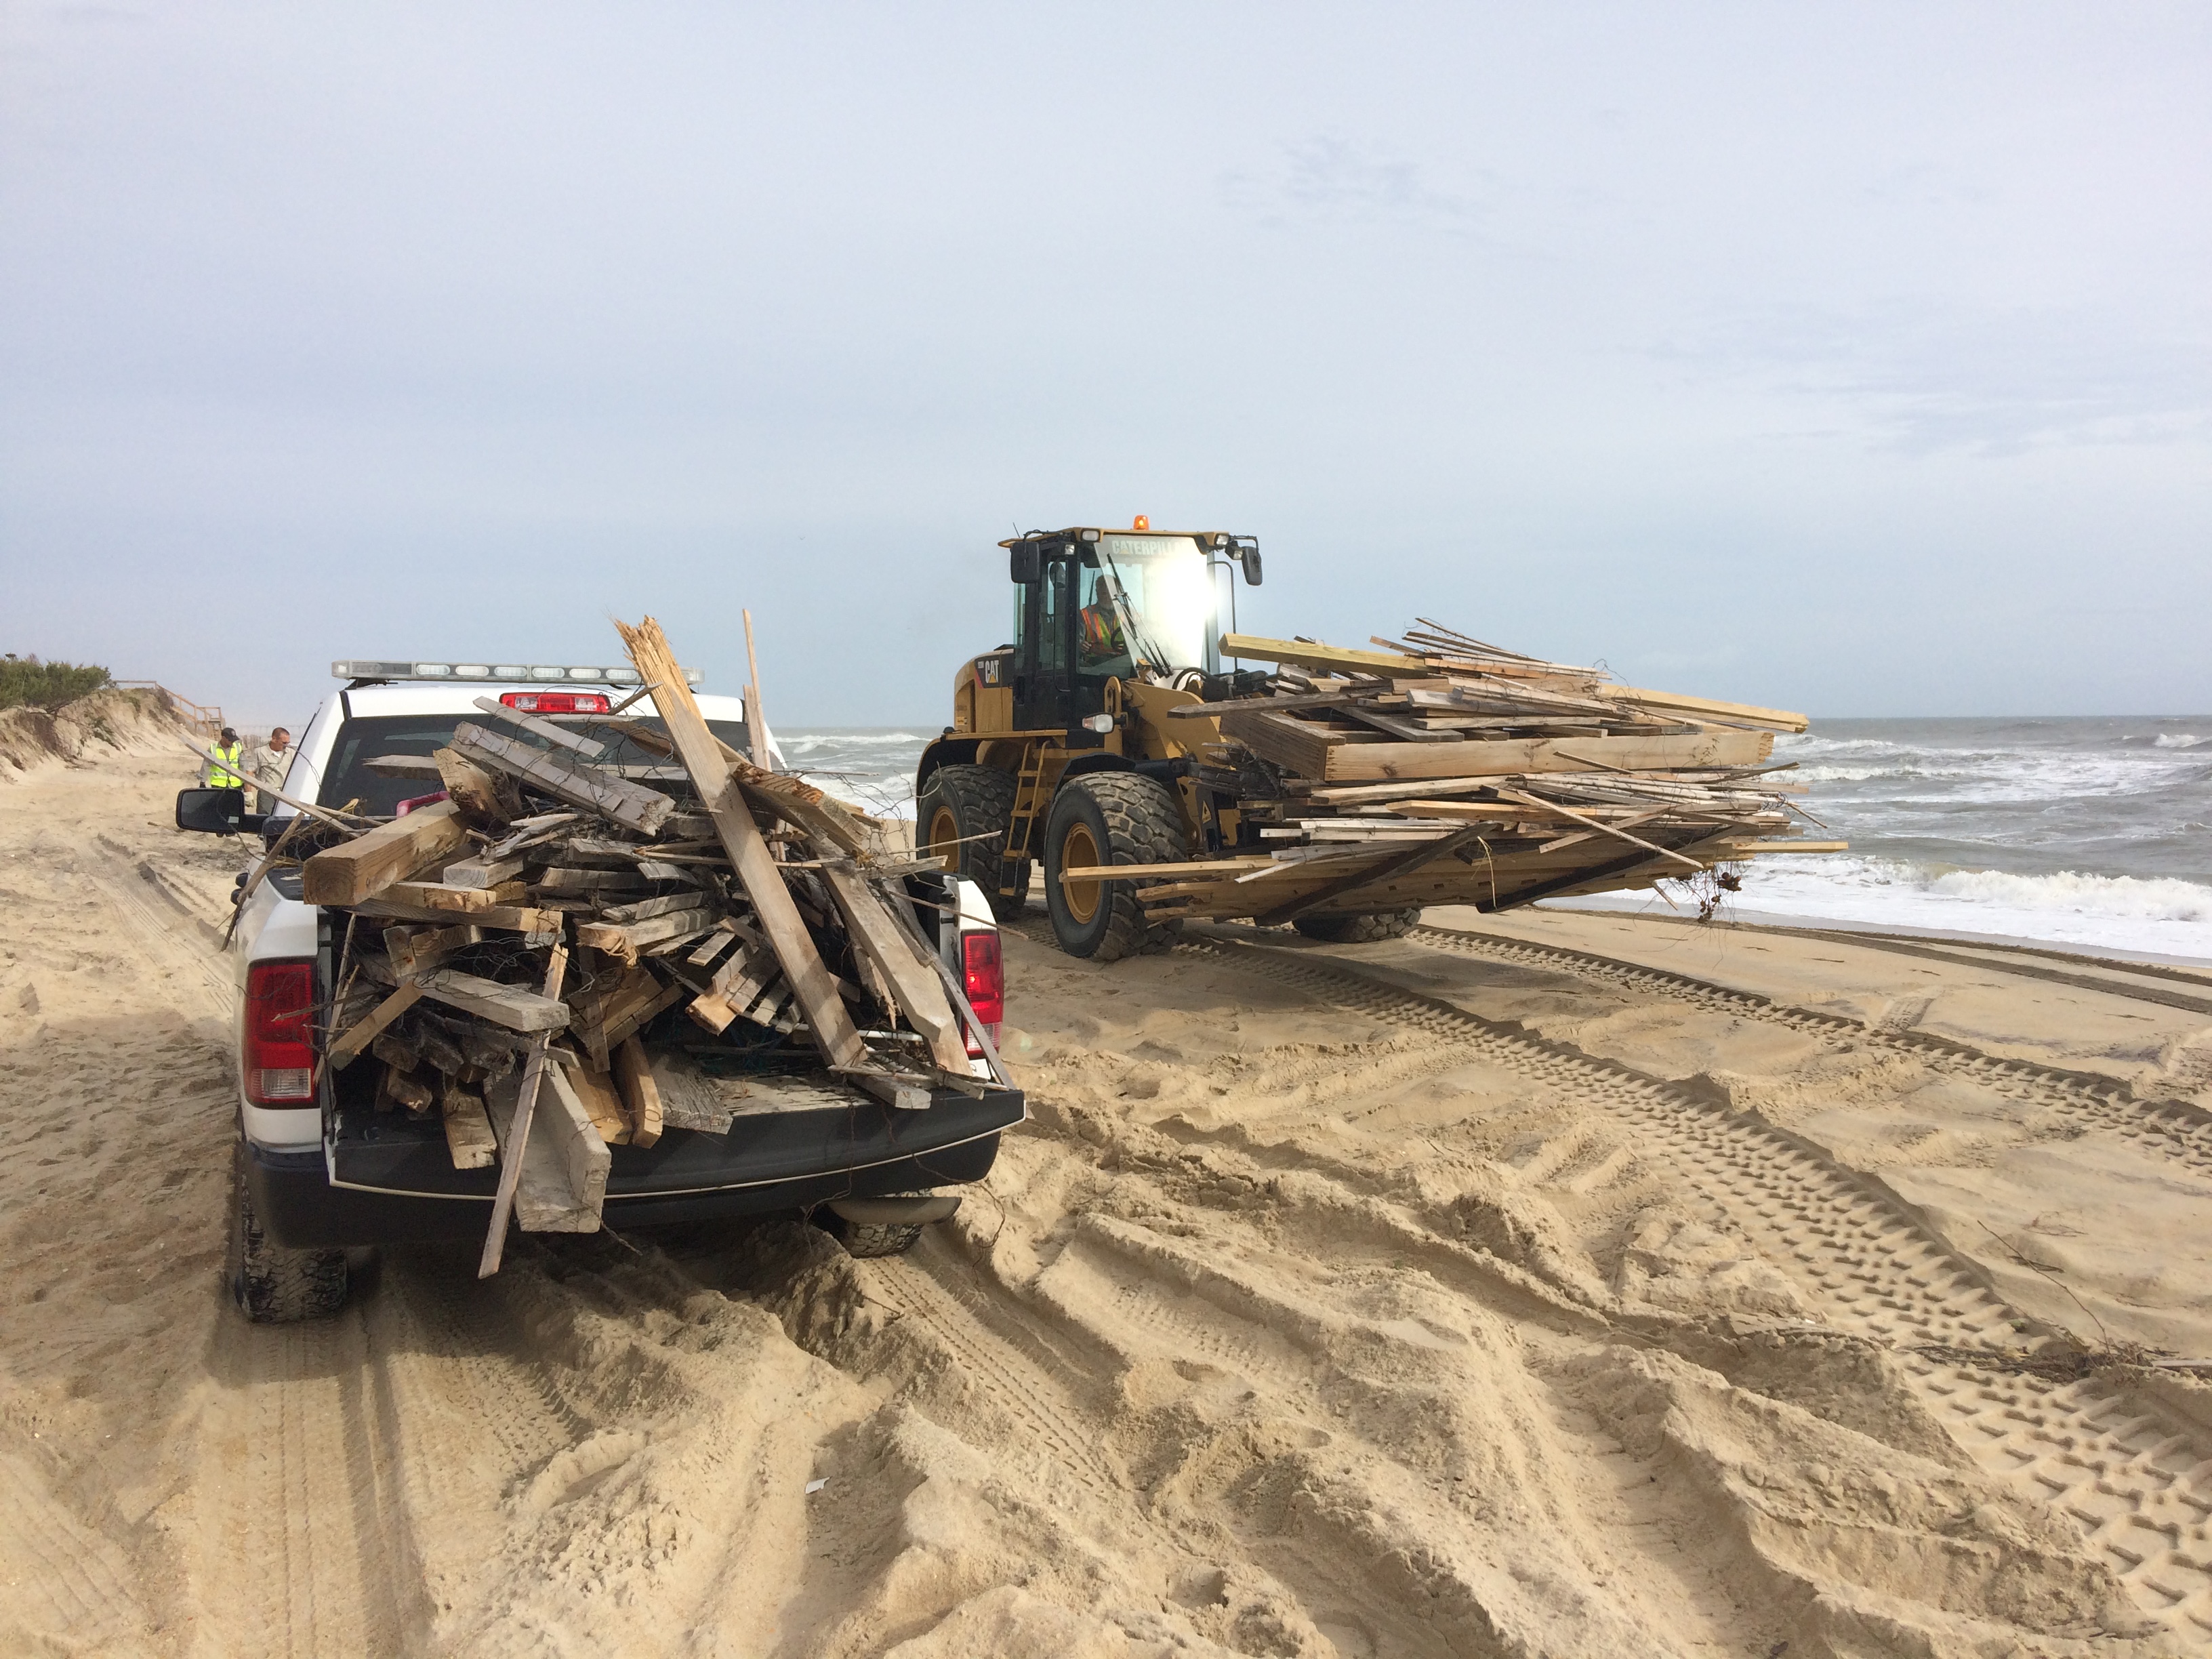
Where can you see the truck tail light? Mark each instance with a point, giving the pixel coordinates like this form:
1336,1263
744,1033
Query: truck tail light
556,703
983,980
280,1048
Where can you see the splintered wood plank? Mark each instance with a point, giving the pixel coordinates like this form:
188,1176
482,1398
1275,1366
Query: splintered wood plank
1395,864
625,940
559,736
544,924
898,958
630,804
1781,719
737,985
515,1133
481,872
1309,654
507,1005
365,865
404,1090
412,949
469,1138
571,881
1360,762
484,797
614,1007
1298,747
718,938
401,766
462,901
543,1200
689,1100
833,1030
602,1104
584,1155
363,1031
641,1096
646,910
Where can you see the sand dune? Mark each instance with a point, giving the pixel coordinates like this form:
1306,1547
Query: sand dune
1548,1284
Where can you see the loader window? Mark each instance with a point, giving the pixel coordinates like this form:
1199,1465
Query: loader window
1052,619
1148,600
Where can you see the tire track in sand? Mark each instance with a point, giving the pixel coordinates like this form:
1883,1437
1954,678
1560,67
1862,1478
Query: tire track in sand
2172,1129
2136,1479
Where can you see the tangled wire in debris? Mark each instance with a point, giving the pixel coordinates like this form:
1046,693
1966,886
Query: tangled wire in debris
1709,890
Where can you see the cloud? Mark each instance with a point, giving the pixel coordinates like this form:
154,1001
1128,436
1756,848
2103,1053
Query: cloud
1333,180
1926,376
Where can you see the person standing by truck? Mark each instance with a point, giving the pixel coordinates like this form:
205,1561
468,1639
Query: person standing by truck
226,770
266,764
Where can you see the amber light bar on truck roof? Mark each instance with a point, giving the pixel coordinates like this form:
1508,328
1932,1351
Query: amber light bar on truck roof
525,673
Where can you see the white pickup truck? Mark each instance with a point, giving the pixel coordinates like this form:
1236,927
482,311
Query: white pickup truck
319,1169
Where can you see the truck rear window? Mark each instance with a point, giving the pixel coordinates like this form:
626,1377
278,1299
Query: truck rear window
365,738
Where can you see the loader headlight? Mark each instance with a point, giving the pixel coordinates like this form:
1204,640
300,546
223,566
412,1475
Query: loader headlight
1099,723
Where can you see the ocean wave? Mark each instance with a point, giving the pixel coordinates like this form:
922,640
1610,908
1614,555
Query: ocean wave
2178,740
2125,897
2164,914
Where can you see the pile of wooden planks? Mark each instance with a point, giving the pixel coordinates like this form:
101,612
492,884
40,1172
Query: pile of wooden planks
1442,769
509,942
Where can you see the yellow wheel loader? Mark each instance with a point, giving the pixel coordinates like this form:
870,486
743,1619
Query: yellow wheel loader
1062,750
1340,792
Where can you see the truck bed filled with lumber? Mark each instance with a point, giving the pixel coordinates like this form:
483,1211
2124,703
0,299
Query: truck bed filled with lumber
1439,769
501,947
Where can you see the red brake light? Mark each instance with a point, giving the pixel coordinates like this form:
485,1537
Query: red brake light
280,1047
983,978
556,703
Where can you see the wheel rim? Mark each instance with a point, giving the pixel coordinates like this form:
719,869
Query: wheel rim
944,833
1079,850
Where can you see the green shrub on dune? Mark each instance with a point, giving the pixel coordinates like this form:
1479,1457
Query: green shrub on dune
25,681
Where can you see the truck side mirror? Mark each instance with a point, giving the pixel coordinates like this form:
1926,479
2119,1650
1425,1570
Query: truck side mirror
1025,565
1250,558
212,812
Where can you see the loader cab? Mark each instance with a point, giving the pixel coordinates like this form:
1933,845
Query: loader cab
1094,605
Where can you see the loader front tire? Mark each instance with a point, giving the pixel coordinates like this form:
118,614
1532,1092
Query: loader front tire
1368,928
1109,817
273,1285
964,813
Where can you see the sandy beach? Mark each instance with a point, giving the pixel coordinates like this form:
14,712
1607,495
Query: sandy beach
1548,1284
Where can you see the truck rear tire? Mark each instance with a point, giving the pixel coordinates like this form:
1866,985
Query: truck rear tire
1109,817
276,1287
1368,928
870,1241
972,805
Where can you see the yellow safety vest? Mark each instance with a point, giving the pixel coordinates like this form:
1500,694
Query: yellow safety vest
219,779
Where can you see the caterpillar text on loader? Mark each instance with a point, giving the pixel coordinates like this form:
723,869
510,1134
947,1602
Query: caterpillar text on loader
1061,750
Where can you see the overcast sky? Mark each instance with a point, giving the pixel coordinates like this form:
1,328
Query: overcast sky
1856,359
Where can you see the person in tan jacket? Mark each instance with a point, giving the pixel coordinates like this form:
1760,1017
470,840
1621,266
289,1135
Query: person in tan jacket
266,764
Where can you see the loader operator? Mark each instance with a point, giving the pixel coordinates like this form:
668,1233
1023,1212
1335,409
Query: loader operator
1102,628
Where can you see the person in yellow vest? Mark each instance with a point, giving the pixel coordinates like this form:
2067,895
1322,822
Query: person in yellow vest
230,773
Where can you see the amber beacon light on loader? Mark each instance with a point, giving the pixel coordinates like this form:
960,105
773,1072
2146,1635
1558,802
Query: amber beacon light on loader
1339,791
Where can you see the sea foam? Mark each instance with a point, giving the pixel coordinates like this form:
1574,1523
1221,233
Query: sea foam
2165,915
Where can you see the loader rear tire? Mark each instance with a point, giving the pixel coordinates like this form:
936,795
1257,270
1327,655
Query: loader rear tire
961,803
1368,928
1109,817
